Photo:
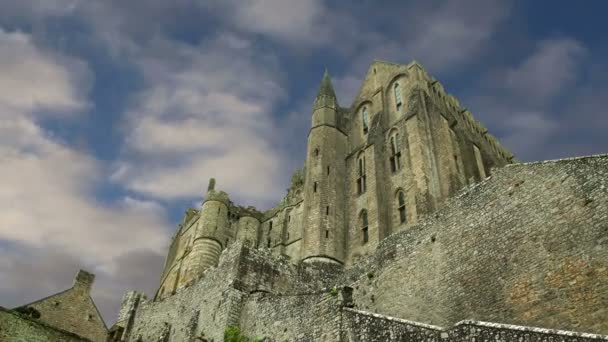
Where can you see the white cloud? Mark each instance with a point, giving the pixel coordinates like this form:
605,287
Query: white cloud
205,112
33,79
545,73
47,190
522,102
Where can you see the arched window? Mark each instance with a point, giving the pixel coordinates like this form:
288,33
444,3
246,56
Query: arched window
397,90
401,206
364,226
361,186
395,157
365,118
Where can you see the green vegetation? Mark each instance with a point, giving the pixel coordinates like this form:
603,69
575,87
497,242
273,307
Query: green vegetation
233,334
333,291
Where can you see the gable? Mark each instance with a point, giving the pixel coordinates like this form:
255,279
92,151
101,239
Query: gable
72,310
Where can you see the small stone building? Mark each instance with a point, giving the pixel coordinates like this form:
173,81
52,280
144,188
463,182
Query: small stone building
69,315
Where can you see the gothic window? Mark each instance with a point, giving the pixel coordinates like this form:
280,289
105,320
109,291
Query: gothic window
365,118
401,207
397,90
395,158
364,226
361,186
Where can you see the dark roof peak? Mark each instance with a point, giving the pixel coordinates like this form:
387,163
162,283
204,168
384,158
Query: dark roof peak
326,89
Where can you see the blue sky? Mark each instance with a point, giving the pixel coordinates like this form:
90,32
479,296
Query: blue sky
114,114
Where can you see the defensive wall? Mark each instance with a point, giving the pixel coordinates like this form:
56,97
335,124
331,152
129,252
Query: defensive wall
525,247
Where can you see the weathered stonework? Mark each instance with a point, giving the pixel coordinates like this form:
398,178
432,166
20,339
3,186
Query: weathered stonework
405,207
70,315
407,217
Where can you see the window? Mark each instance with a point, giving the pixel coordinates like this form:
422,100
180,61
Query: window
395,158
364,226
314,187
269,226
316,152
327,210
327,234
361,176
328,170
397,90
401,207
365,118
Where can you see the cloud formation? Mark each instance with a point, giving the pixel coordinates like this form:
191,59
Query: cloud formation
47,198
205,108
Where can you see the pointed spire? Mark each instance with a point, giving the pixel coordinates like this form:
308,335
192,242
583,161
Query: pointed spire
326,88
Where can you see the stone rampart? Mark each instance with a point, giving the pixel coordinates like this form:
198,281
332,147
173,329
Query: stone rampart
527,246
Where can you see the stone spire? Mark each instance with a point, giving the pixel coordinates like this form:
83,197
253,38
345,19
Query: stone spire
326,97
326,88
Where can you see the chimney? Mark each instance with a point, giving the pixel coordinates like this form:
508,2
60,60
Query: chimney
84,280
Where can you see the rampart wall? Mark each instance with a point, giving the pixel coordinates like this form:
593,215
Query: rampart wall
527,246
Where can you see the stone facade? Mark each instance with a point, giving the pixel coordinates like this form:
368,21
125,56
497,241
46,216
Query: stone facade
397,153
15,327
70,315
406,207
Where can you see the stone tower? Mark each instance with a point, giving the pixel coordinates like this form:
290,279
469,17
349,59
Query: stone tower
324,222
210,233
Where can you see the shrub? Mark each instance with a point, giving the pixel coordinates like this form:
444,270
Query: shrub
233,334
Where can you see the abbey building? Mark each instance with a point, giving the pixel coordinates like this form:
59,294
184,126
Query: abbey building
407,222
371,169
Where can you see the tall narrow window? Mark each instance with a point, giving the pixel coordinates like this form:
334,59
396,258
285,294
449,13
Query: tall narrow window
327,210
397,90
361,176
327,234
314,187
269,226
365,118
395,158
401,207
364,226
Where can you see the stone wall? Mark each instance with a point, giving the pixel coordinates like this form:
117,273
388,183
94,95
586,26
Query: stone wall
18,328
215,301
364,326
73,310
309,317
528,246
